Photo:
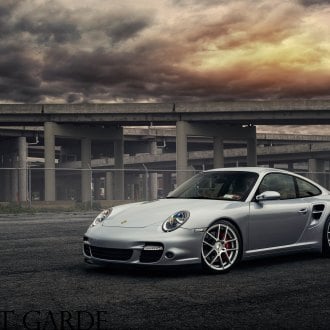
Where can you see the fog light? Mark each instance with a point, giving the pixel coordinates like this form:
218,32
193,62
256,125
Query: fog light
169,255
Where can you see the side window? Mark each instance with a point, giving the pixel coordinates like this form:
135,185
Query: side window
282,183
306,189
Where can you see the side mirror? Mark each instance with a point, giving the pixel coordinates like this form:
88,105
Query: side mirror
268,196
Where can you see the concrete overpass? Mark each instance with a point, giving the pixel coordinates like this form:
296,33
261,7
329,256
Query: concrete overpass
221,121
230,112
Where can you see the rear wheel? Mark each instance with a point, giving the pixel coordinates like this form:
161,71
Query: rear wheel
326,239
221,247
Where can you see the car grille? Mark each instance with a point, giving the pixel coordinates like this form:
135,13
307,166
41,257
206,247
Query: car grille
150,256
87,250
152,252
111,254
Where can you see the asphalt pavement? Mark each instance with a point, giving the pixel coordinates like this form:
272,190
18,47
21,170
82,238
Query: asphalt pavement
45,284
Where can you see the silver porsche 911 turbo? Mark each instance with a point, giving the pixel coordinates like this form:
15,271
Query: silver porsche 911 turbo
216,219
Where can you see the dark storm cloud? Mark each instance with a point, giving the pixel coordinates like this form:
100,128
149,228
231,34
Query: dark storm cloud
49,23
135,51
314,2
6,9
18,75
57,30
126,27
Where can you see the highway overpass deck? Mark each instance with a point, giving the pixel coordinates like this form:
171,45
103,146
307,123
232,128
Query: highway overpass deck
287,112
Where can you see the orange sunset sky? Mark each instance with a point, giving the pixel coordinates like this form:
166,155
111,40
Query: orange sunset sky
163,51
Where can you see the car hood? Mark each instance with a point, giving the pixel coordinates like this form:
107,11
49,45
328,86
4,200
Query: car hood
140,215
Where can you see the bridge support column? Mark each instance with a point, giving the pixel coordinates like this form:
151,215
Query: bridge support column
153,177
181,152
97,187
167,183
252,149
50,183
291,167
218,158
7,178
119,167
316,169
22,174
14,178
86,171
109,186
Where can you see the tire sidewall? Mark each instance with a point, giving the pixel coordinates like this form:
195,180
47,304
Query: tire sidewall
325,243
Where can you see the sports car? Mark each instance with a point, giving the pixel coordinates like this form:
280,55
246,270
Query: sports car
216,218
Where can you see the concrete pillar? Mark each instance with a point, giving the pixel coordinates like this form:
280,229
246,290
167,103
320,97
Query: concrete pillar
22,176
252,152
167,183
153,191
14,178
218,158
153,177
7,179
119,169
145,185
109,186
50,183
86,173
97,188
181,152
316,169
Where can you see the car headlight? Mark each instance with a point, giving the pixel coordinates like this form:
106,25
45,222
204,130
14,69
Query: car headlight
103,215
176,220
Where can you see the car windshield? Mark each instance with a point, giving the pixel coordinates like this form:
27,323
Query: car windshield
235,185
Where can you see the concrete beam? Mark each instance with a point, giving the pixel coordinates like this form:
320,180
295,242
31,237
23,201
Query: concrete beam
94,133
274,112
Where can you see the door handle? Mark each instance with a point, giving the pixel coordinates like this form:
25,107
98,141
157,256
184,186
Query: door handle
303,211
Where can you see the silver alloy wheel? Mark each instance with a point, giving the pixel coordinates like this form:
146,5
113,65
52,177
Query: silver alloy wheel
328,234
220,247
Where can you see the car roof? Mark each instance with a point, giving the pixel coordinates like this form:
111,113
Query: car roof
258,170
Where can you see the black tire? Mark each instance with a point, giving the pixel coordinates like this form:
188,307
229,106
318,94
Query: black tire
326,239
221,247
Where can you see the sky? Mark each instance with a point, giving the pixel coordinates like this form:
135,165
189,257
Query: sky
101,51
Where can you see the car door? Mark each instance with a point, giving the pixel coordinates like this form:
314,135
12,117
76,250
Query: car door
275,223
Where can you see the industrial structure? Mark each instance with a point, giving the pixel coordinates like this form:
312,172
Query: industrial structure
87,152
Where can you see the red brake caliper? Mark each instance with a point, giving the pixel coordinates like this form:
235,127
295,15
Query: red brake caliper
228,245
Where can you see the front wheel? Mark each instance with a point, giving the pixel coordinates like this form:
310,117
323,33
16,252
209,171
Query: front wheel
326,239
221,247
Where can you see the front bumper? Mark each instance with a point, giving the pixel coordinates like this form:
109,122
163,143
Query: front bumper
150,245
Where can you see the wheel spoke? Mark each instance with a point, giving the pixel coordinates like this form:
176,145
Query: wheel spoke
227,255
235,249
226,232
231,240
211,235
207,243
214,259
212,250
219,228
222,264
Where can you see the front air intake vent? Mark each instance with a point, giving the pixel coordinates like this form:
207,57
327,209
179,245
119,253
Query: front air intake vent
317,211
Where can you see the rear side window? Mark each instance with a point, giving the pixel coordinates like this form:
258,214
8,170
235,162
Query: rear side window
282,183
306,189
